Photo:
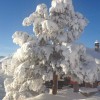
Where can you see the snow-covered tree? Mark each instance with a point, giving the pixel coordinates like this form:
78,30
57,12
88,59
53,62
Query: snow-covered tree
52,49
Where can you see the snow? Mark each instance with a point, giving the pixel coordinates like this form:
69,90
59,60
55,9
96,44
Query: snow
49,25
20,37
81,64
96,41
36,59
65,94
48,97
4,58
94,98
2,78
88,90
93,53
62,94
96,56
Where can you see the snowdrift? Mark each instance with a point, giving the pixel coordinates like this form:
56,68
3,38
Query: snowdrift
58,97
48,97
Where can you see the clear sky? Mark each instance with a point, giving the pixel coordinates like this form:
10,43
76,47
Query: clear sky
12,13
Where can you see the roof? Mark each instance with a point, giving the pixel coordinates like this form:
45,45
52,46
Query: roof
96,41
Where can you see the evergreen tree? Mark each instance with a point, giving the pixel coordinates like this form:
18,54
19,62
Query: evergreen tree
51,50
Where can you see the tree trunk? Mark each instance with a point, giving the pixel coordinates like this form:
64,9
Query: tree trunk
88,85
55,83
95,84
76,87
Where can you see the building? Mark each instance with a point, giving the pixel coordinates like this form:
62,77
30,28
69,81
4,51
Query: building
97,45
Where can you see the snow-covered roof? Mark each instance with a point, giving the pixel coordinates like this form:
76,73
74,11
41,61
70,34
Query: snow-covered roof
96,41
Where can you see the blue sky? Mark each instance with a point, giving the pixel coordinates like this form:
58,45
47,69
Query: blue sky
12,13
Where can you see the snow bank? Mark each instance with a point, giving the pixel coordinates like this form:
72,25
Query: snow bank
48,97
94,98
66,94
88,90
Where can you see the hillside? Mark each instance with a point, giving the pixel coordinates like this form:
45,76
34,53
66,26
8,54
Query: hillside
93,53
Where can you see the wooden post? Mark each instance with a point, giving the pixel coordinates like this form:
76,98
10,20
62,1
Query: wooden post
95,84
76,87
55,83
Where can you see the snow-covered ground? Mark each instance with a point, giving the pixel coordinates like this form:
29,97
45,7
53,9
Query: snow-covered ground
66,94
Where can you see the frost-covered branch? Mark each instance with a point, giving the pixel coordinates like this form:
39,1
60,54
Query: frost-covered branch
52,49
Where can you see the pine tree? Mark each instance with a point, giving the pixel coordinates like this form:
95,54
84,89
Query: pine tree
50,52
